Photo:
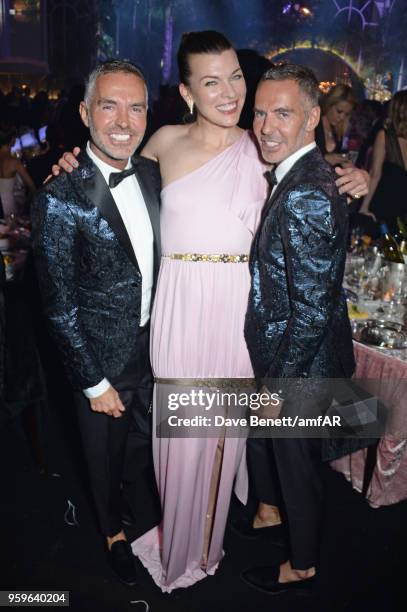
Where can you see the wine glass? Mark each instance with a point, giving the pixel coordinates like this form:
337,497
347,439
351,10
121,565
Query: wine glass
394,291
368,273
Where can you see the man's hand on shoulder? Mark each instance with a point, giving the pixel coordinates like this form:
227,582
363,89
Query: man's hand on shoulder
352,181
67,162
108,402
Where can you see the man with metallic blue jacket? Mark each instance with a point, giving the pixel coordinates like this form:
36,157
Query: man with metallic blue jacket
297,328
97,247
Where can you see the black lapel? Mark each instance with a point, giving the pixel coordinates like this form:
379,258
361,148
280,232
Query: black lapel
91,181
273,197
287,178
151,199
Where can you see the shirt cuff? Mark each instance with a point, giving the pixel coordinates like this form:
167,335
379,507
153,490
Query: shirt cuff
97,390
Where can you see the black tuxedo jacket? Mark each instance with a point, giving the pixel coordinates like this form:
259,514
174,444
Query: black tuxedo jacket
297,324
88,273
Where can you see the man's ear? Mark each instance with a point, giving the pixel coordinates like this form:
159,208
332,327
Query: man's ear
84,113
313,118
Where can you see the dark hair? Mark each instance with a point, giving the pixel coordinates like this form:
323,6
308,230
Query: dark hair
110,67
207,41
7,133
306,79
398,113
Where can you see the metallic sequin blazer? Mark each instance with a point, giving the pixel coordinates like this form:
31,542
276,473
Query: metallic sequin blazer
88,273
297,324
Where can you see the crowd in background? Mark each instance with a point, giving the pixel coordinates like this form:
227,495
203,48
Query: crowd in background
34,130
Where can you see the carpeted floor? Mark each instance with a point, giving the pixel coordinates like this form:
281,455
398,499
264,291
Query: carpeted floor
49,540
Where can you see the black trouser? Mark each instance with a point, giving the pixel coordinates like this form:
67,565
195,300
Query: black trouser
286,472
298,464
262,471
118,449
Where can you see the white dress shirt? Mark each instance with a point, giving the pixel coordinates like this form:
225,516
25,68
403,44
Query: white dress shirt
132,208
286,165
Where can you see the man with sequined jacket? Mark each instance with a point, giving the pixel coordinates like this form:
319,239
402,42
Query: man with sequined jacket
97,247
297,328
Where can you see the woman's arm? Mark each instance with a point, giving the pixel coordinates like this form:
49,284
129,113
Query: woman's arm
379,153
27,180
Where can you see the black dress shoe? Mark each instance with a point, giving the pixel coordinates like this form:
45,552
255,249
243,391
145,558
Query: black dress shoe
265,579
122,562
244,528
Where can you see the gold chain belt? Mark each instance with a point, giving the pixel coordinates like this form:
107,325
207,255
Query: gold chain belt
234,383
223,258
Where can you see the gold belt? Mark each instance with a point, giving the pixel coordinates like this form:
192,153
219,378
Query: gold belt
222,258
234,383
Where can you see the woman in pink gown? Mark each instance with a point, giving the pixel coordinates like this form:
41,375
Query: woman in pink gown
197,332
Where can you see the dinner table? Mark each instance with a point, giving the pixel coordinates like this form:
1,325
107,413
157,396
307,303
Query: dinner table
379,471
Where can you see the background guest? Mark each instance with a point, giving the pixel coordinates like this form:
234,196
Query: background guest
367,121
336,109
385,201
9,168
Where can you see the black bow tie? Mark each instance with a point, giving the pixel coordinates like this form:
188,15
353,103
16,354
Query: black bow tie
116,177
271,178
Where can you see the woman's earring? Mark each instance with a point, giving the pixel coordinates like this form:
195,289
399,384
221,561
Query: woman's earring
191,106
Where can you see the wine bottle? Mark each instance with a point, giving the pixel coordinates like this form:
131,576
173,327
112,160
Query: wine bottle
402,227
388,246
400,234
402,241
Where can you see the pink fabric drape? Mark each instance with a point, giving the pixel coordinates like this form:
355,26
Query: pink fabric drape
389,481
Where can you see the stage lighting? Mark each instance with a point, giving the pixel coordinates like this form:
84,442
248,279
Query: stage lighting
296,10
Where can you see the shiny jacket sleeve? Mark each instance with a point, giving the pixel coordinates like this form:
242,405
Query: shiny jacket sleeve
309,243
56,252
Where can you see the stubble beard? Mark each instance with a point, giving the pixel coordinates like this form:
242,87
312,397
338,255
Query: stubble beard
97,141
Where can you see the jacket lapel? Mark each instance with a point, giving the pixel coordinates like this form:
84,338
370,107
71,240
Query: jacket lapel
91,181
287,178
151,199
274,196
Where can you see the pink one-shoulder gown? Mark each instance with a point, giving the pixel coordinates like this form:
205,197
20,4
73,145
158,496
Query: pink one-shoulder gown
197,332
